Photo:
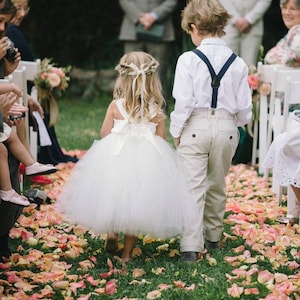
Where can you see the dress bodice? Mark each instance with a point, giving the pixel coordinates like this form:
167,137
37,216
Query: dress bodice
130,129
125,125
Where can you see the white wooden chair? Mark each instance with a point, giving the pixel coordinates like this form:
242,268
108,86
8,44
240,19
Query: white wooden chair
266,73
32,69
276,99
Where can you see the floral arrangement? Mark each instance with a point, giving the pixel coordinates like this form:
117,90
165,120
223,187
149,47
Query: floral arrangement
256,84
52,77
258,87
49,81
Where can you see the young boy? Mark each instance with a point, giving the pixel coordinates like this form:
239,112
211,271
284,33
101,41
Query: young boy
208,110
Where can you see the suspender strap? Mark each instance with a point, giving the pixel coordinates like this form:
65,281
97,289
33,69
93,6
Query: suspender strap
215,78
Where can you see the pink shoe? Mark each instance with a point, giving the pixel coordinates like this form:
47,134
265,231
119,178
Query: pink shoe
13,197
39,169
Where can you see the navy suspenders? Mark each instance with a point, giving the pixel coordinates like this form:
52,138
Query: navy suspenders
215,78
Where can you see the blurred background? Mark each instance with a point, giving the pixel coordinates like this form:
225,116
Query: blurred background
85,33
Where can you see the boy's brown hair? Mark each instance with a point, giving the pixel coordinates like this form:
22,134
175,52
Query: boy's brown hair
209,16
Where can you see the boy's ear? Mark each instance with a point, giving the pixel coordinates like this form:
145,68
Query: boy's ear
194,28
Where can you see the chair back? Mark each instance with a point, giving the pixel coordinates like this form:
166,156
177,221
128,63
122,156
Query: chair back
276,99
291,96
32,68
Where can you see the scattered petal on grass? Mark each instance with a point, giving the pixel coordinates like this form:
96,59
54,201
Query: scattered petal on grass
137,252
111,287
138,273
163,287
158,271
50,251
153,294
235,291
251,291
173,253
163,247
86,265
179,284
212,261
63,284
265,277
190,288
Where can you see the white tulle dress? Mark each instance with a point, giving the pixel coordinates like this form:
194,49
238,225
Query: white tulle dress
130,182
286,169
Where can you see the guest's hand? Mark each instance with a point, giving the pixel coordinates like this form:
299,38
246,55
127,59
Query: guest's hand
35,106
243,25
17,109
147,20
6,102
9,67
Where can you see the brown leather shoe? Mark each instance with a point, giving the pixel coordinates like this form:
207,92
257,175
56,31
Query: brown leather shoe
188,257
212,245
111,243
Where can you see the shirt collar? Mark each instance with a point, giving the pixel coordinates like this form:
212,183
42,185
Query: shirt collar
213,41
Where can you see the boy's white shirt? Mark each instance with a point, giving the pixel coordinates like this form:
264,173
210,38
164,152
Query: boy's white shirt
192,85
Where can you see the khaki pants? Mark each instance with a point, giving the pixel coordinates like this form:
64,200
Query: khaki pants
207,145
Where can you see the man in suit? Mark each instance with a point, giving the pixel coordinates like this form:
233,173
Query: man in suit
245,30
147,13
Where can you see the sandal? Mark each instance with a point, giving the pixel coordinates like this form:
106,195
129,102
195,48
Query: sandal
111,243
13,197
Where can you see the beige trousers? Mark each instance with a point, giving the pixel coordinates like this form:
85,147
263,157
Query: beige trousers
207,145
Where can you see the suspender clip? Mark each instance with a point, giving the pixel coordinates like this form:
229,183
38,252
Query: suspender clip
215,83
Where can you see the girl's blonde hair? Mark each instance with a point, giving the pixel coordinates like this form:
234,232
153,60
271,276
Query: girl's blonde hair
209,16
138,83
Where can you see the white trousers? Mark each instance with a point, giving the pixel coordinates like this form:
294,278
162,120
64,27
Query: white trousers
207,145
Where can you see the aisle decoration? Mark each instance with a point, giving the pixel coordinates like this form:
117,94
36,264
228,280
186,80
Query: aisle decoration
50,82
54,259
258,87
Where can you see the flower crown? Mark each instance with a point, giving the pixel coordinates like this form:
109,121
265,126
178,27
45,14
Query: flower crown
133,70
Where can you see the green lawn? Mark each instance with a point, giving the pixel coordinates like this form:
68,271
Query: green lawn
80,121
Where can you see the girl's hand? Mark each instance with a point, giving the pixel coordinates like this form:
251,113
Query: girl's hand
176,142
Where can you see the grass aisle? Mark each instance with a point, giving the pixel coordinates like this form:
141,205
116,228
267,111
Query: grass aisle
52,259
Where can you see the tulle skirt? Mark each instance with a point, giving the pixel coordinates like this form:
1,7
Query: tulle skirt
139,189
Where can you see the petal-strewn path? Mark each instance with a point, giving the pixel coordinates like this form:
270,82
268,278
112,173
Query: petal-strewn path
53,246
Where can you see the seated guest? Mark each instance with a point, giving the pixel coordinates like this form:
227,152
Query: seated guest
47,154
